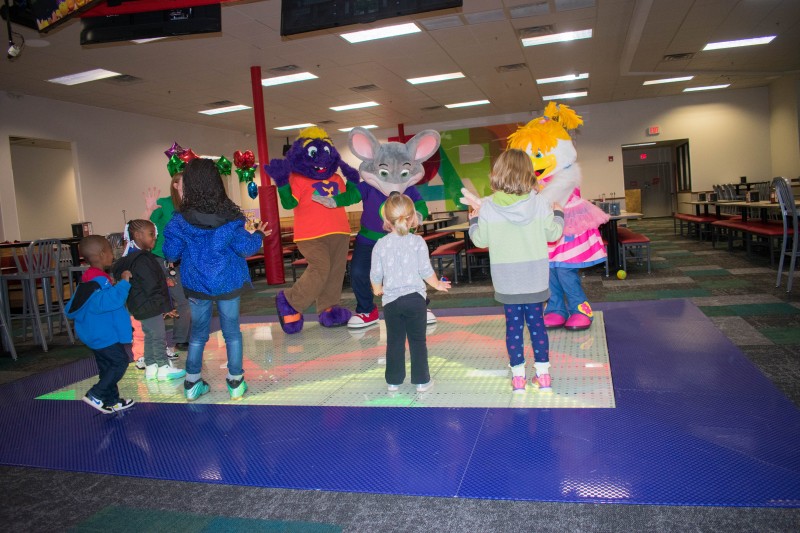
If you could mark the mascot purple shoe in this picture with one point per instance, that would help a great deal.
(322, 234)
(385, 168)
(550, 147)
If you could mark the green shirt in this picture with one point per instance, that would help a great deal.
(160, 217)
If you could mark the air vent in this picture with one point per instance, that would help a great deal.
(678, 57)
(365, 88)
(432, 108)
(511, 68)
(221, 103)
(285, 68)
(535, 31)
(124, 79)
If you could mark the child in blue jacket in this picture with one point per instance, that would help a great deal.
(208, 236)
(102, 322)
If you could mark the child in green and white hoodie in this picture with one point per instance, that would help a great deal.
(516, 224)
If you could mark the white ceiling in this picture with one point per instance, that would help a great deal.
(180, 76)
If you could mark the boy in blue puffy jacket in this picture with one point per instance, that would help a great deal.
(102, 322)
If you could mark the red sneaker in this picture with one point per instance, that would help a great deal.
(362, 320)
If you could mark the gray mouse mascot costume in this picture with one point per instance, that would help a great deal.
(385, 168)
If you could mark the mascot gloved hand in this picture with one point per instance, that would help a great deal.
(385, 168)
(546, 141)
(322, 234)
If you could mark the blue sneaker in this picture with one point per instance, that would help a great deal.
(236, 388)
(97, 404)
(194, 390)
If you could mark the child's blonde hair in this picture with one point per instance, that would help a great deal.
(513, 173)
(399, 214)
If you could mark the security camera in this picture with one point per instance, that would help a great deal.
(14, 51)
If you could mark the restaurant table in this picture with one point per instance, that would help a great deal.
(609, 231)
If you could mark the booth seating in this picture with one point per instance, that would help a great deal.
(745, 231)
(475, 258)
(449, 254)
(696, 225)
(632, 245)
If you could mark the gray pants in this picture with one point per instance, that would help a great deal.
(155, 340)
(182, 324)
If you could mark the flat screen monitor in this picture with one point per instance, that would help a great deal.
(46, 15)
(300, 16)
(151, 24)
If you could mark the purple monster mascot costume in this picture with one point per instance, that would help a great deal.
(322, 234)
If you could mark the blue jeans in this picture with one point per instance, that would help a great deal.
(229, 323)
(566, 292)
(360, 266)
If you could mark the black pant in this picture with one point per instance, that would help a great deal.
(112, 362)
(406, 318)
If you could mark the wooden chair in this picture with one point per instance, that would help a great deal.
(783, 190)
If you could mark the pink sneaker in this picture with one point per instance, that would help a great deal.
(553, 320)
(542, 382)
(577, 322)
(362, 320)
(518, 384)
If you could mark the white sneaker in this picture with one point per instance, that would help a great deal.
(422, 387)
(171, 353)
(167, 372)
(151, 371)
(140, 364)
(393, 388)
(431, 318)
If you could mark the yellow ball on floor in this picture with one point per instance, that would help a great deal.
(621, 274)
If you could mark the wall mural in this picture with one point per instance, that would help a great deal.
(465, 159)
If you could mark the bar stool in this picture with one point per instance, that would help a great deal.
(40, 266)
(7, 339)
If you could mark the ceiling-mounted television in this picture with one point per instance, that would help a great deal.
(300, 16)
(151, 24)
(46, 15)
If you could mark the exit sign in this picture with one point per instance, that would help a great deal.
(642, 156)
(653, 130)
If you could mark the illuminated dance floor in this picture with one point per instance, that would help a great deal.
(686, 420)
(344, 367)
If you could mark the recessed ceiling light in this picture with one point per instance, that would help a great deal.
(564, 96)
(228, 109)
(467, 104)
(83, 77)
(370, 127)
(706, 88)
(289, 78)
(568, 77)
(354, 106)
(741, 42)
(557, 37)
(295, 127)
(143, 41)
(667, 80)
(380, 33)
(438, 77)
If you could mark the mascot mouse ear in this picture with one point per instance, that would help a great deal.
(363, 144)
(424, 144)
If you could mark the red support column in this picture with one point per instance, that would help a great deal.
(267, 193)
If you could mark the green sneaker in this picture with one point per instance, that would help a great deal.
(236, 388)
(194, 390)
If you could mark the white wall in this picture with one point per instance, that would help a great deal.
(118, 155)
(44, 181)
(784, 117)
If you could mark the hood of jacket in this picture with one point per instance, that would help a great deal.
(207, 220)
(514, 208)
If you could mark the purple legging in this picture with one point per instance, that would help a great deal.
(517, 315)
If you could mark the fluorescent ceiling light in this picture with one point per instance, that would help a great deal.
(557, 37)
(576, 94)
(354, 106)
(667, 80)
(741, 42)
(228, 109)
(143, 41)
(289, 78)
(637, 144)
(370, 127)
(438, 77)
(568, 77)
(380, 33)
(295, 127)
(706, 88)
(467, 104)
(83, 77)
